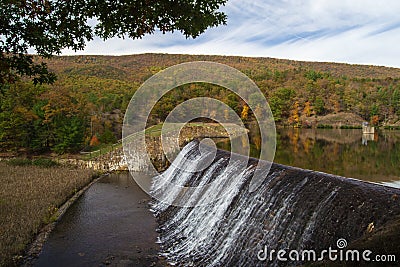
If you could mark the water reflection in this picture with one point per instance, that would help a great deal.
(369, 137)
(346, 152)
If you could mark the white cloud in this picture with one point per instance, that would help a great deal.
(353, 31)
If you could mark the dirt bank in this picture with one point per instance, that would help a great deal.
(336, 120)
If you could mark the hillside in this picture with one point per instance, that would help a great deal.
(92, 93)
(148, 63)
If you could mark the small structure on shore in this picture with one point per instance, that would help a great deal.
(367, 129)
(368, 133)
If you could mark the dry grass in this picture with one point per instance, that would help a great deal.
(29, 196)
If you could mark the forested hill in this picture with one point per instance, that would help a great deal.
(87, 102)
(137, 67)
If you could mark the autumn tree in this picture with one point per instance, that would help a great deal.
(39, 119)
(336, 106)
(226, 114)
(94, 141)
(307, 109)
(48, 26)
(375, 120)
(294, 114)
(245, 113)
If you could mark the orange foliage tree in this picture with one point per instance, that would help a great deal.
(94, 141)
(294, 114)
(375, 120)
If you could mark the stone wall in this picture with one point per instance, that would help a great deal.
(115, 160)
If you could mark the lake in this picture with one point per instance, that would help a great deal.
(344, 152)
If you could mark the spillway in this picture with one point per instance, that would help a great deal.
(225, 224)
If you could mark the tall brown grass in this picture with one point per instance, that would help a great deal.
(29, 196)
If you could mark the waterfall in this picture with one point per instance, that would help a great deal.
(292, 209)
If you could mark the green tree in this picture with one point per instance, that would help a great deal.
(374, 110)
(48, 26)
(396, 101)
(17, 116)
(69, 134)
(232, 100)
(275, 104)
(40, 132)
(313, 75)
(107, 137)
(281, 102)
(319, 106)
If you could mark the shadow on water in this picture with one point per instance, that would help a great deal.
(109, 224)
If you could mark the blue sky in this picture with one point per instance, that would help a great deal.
(353, 31)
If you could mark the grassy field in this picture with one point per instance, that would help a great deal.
(29, 196)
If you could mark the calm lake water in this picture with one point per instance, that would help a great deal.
(345, 152)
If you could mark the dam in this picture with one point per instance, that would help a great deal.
(291, 209)
(210, 216)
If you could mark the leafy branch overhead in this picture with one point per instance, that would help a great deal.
(49, 26)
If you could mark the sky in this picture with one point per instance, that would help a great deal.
(348, 31)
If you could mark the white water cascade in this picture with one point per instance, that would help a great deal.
(292, 209)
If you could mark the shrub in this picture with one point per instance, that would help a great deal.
(19, 162)
(324, 126)
(350, 127)
(391, 127)
(41, 162)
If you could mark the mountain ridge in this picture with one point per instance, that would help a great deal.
(335, 68)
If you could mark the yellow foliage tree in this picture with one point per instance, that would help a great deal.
(226, 114)
(336, 106)
(307, 109)
(294, 114)
(245, 112)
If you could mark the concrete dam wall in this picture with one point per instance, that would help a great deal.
(292, 209)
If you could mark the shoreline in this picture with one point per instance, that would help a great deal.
(36, 246)
(30, 199)
(110, 224)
